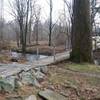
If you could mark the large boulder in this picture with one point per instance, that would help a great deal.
(27, 78)
(7, 84)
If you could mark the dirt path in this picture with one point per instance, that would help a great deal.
(83, 73)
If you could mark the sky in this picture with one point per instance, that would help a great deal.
(58, 5)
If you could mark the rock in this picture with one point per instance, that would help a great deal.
(7, 85)
(39, 76)
(51, 87)
(11, 80)
(37, 68)
(14, 59)
(50, 95)
(27, 78)
(36, 83)
(31, 78)
(19, 84)
(32, 72)
(32, 97)
(44, 69)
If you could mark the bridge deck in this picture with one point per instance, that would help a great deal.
(7, 70)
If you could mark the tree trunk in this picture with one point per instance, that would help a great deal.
(81, 32)
(37, 33)
(50, 26)
(26, 28)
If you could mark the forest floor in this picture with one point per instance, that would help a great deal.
(74, 81)
(66, 79)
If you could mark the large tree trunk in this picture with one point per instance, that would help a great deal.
(81, 32)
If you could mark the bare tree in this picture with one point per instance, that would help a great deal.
(37, 20)
(50, 26)
(16, 30)
(21, 12)
(68, 5)
(94, 10)
(1, 19)
(30, 22)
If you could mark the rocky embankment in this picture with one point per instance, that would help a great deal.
(32, 77)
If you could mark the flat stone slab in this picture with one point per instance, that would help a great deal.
(50, 95)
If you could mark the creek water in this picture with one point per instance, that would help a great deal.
(28, 57)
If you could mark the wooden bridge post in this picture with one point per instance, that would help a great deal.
(54, 53)
(37, 53)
